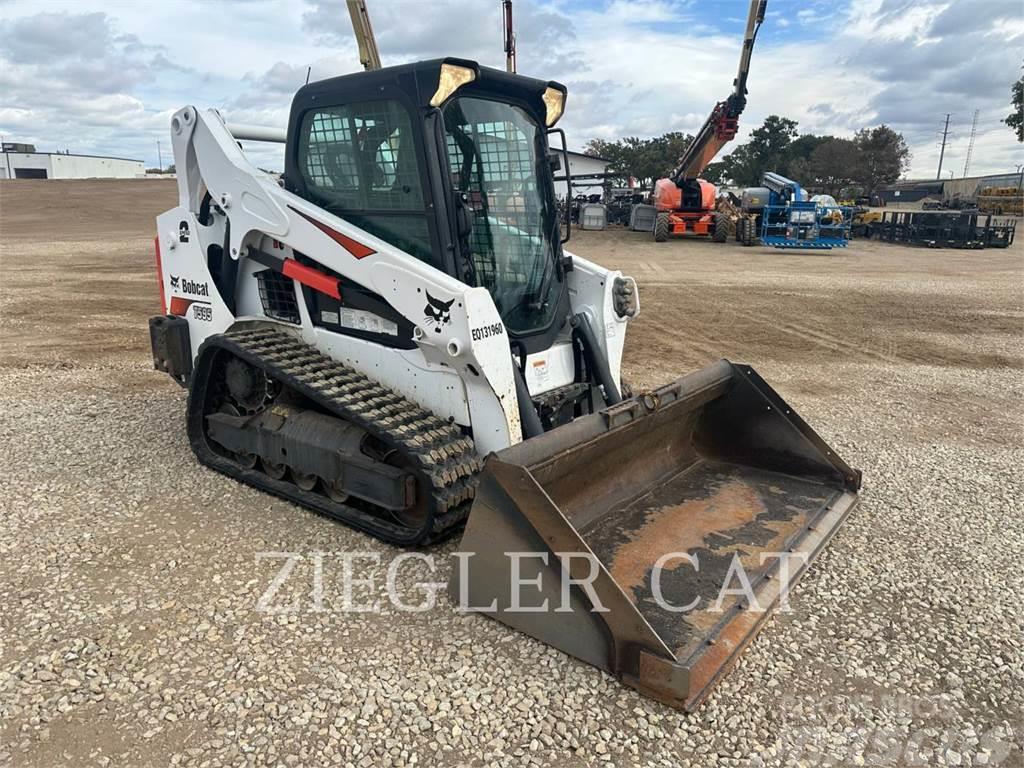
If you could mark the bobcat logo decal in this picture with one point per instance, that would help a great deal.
(438, 313)
(174, 282)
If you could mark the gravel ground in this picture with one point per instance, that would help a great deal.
(130, 578)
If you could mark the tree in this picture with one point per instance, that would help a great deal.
(1016, 119)
(767, 150)
(821, 163)
(719, 172)
(799, 153)
(831, 165)
(883, 156)
(643, 159)
(669, 148)
(609, 150)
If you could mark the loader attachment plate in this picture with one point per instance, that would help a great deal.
(655, 538)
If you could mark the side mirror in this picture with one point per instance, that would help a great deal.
(563, 155)
(555, 161)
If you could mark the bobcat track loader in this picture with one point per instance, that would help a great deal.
(393, 335)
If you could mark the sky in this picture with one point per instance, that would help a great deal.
(103, 77)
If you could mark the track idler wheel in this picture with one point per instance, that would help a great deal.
(274, 471)
(334, 492)
(304, 481)
(248, 386)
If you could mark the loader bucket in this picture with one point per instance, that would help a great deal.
(568, 527)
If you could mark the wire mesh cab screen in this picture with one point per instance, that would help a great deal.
(359, 162)
(493, 159)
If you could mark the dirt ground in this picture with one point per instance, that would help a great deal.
(700, 301)
(120, 556)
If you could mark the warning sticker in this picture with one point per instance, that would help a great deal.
(540, 369)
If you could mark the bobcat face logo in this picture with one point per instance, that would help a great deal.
(174, 282)
(437, 313)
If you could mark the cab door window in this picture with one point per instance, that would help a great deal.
(359, 162)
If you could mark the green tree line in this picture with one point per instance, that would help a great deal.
(874, 156)
(1016, 118)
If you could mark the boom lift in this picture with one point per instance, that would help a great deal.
(685, 202)
(397, 338)
(369, 56)
(787, 218)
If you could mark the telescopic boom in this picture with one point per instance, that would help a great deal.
(369, 56)
(721, 126)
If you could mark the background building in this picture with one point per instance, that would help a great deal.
(967, 189)
(21, 161)
(583, 169)
(910, 190)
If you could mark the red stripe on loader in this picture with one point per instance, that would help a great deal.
(180, 305)
(314, 278)
(354, 247)
(160, 276)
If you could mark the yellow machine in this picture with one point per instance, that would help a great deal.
(862, 221)
(1001, 201)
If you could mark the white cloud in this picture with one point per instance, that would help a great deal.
(103, 78)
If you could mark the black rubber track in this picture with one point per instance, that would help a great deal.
(443, 460)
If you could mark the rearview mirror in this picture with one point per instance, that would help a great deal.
(559, 159)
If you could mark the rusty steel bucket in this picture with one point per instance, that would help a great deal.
(567, 528)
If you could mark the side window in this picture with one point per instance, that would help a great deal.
(359, 162)
(329, 158)
(362, 156)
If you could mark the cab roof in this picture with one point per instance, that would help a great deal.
(418, 82)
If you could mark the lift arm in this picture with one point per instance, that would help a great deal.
(786, 189)
(369, 56)
(722, 124)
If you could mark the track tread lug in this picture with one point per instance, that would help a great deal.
(446, 458)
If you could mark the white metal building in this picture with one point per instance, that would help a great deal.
(583, 165)
(21, 161)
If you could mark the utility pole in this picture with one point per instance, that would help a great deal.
(970, 144)
(942, 152)
(160, 156)
(7, 158)
(510, 37)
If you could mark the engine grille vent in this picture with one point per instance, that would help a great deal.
(277, 293)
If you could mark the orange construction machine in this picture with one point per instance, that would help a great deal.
(686, 203)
